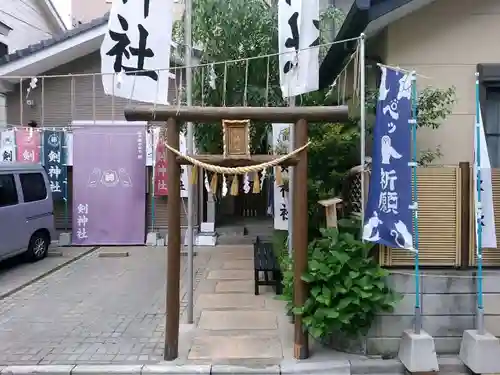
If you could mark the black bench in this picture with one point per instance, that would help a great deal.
(265, 261)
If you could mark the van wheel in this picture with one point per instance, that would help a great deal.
(38, 247)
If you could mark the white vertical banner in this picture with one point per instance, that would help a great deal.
(298, 38)
(489, 238)
(184, 169)
(280, 193)
(135, 52)
(7, 146)
(151, 142)
(68, 148)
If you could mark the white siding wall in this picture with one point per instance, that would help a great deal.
(28, 22)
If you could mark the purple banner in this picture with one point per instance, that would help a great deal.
(109, 185)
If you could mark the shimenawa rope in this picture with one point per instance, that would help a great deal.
(237, 170)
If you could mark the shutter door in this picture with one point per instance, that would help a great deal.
(439, 200)
(61, 222)
(160, 209)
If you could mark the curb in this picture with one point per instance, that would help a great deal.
(450, 365)
(47, 273)
(287, 367)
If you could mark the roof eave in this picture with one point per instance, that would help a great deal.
(354, 24)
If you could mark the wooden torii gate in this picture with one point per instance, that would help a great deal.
(174, 116)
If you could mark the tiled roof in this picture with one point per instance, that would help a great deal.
(34, 48)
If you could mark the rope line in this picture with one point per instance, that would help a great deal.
(236, 170)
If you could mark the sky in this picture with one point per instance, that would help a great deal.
(64, 9)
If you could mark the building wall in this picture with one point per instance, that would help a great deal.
(29, 23)
(83, 11)
(60, 100)
(448, 306)
(444, 41)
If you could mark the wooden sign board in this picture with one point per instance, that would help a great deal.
(236, 138)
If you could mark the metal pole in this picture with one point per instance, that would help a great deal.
(190, 143)
(479, 213)
(362, 121)
(173, 247)
(291, 141)
(414, 103)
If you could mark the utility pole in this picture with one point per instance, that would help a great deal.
(188, 13)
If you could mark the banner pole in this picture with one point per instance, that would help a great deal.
(152, 193)
(414, 165)
(190, 148)
(291, 145)
(362, 120)
(65, 182)
(479, 228)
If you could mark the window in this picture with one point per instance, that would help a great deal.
(8, 192)
(33, 186)
(491, 112)
(4, 49)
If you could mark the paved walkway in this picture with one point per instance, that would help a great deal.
(110, 310)
(231, 323)
(16, 273)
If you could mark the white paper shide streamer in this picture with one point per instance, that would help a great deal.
(138, 39)
(298, 31)
(486, 210)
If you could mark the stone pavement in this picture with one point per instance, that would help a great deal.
(16, 273)
(106, 315)
(95, 310)
(231, 323)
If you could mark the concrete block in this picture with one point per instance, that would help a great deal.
(161, 242)
(331, 367)
(235, 348)
(492, 303)
(237, 320)
(402, 283)
(417, 352)
(235, 286)
(207, 227)
(435, 325)
(230, 275)
(458, 282)
(491, 281)
(390, 345)
(206, 239)
(152, 239)
(492, 324)
(438, 304)
(230, 369)
(218, 301)
(170, 368)
(107, 369)
(38, 369)
(480, 353)
(65, 239)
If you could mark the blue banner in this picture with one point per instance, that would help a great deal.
(388, 216)
(54, 162)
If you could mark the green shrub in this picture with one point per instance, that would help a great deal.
(347, 288)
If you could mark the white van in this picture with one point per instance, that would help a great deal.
(26, 211)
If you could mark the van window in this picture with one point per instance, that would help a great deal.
(8, 192)
(33, 186)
